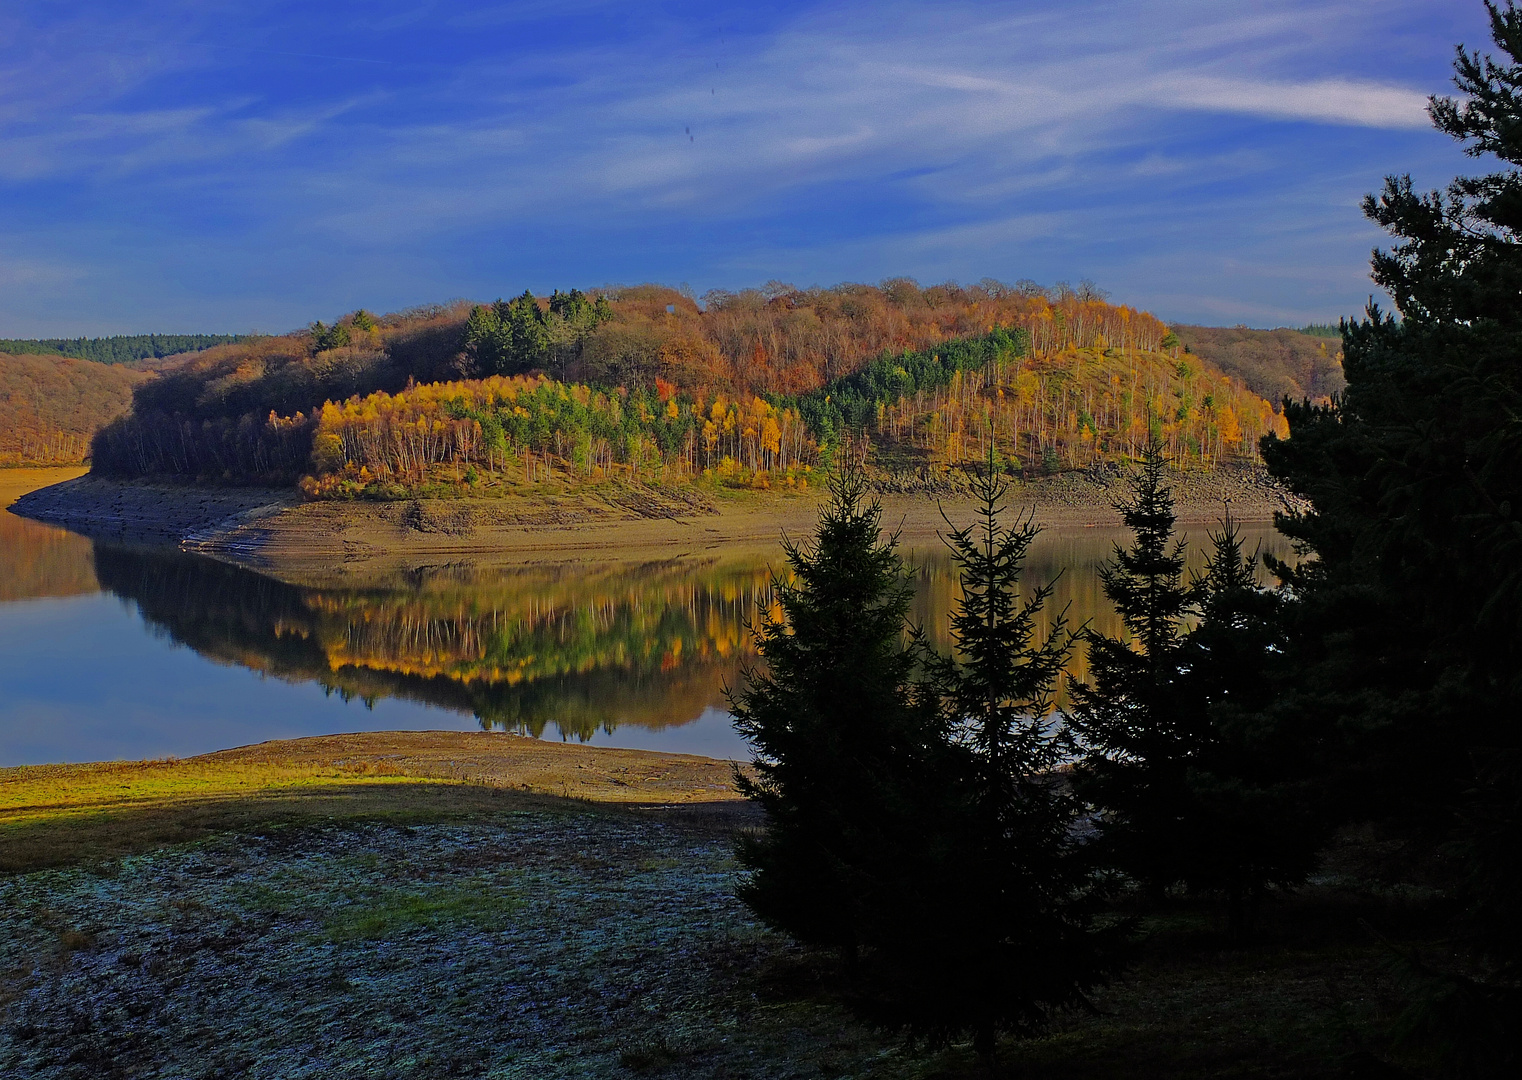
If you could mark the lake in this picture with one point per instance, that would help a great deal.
(110, 652)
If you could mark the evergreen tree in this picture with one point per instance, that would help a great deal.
(484, 344)
(1024, 943)
(1407, 630)
(917, 817)
(508, 337)
(527, 337)
(329, 337)
(572, 316)
(1251, 816)
(1202, 779)
(848, 755)
(1131, 718)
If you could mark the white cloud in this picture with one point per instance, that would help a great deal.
(1332, 101)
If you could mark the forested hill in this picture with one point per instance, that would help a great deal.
(647, 381)
(121, 349)
(51, 406)
(1274, 364)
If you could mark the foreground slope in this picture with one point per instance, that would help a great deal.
(414, 904)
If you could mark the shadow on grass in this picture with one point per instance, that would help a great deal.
(70, 836)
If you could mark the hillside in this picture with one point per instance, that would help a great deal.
(51, 406)
(746, 386)
(1274, 364)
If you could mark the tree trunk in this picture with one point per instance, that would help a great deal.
(983, 1042)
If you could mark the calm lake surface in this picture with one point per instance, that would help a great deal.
(114, 652)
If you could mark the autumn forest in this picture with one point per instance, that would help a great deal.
(754, 388)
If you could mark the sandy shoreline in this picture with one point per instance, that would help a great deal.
(273, 531)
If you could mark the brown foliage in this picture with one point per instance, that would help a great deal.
(1274, 364)
(50, 406)
(783, 340)
(246, 411)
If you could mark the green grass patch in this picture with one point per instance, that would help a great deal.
(68, 815)
(394, 913)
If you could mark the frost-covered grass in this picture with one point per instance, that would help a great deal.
(535, 943)
(339, 922)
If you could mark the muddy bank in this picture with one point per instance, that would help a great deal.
(148, 513)
(274, 531)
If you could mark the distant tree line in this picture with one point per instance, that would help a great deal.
(1274, 364)
(970, 398)
(491, 430)
(119, 349)
(51, 406)
(951, 406)
(518, 336)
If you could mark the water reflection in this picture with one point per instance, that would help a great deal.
(39, 561)
(574, 651)
(569, 651)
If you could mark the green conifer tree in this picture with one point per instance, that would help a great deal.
(1024, 943)
(1252, 814)
(847, 752)
(1130, 716)
(526, 336)
(1407, 627)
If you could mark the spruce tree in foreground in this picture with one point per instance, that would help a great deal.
(1023, 942)
(1252, 813)
(1130, 716)
(1202, 778)
(917, 818)
(1407, 630)
(849, 756)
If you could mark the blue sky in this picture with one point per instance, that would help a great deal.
(224, 166)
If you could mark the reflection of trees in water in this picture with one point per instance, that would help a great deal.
(579, 650)
(1069, 561)
(39, 560)
(526, 626)
(576, 650)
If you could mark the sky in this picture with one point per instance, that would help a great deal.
(217, 166)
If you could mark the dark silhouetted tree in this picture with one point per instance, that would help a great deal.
(1023, 943)
(847, 752)
(1129, 716)
(1252, 813)
(1408, 629)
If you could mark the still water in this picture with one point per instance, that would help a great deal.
(117, 652)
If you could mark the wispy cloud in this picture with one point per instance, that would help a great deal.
(904, 137)
(1330, 101)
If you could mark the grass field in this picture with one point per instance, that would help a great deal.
(439, 904)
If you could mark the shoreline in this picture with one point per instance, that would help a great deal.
(61, 814)
(274, 531)
(598, 774)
